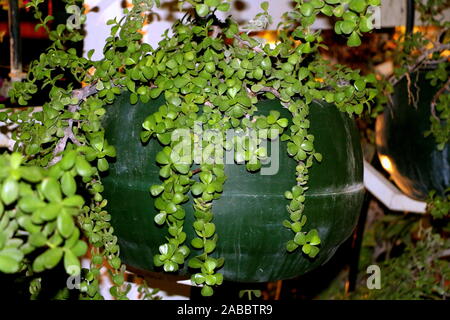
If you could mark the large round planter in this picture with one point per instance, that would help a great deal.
(413, 160)
(250, 213)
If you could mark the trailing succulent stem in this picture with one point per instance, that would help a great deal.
(212, 76)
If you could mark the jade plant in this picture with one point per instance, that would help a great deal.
(425, 50)
(211, 74)
(421, 50)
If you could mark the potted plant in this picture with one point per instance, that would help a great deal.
(144, 141)
(412, 134)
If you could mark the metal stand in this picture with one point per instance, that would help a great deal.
(14, 41)
(410, 13)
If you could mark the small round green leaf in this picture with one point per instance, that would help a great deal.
(8, 264)
(160, 218)
(155, 190)
(71, 263)
(202, 10)
(10, 191)
(197, 243)
(207, 291)
(65, 224)
(83, 167)
(68, 184)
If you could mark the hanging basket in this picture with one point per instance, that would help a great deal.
(250, 213)
(413, 160)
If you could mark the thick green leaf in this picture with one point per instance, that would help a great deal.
(358, 5)
(291, 246)
(210, 229)
(30, 203)
(31, 174)
(265, 5)
(209, 246)
(50, 211)
(155, 190)
(207, 291)
(51, 189)
(74, 201)
(195, 263)
(79, 248)
(37, 239)
(102, 165)
(170, 207)
(182, 168)
(224, 7)
(8, 264)
(300, 238)
(198, 189)
(202, 10)
(306, 9)
(178, 198)
(65, 224)
(162, 158)
(10, 191)
(347, 27)
(170, 266)
(160, 218)
(313, 251)
(354, 40)
(306, 248)
(197, 243)
(68, 184)
(83, 167)
(210, 265)
(71, 263)
(51, 257)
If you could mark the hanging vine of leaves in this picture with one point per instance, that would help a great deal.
(212, 75)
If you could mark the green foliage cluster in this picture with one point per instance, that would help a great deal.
(439, 206)
(43, 203)
(421, 272)
(66, 140)
(148, 293)
(215, 83)
(431, 11)
(412, 253)
(417, 52)
(250, 294)
(211, 75)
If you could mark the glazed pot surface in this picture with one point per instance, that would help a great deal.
(250, 213)
(413, 160)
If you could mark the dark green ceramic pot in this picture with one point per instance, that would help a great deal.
(250, 213)
(413, 160)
